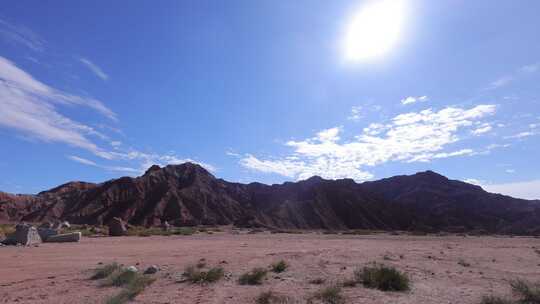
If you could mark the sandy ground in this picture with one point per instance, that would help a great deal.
(58, 273)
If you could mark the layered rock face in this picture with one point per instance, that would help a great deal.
(187, 194)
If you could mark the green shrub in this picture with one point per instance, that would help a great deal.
(105, 271)
(254, 277)
(383, 278)
(135, 286)
(120, 278)
(464, 263)
(280, 266)
(317, 281)
(196, 275)
(328, 295)
(269, 297)
(527, 292)
(494, 300)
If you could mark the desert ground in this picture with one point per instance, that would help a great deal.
(438, 266)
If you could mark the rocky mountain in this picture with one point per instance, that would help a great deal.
(187, 194)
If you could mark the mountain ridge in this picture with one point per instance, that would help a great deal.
(187, 194)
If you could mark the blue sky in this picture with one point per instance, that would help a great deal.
(265, 91)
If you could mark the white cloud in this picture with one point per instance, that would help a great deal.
(356, 113)
(82, 160)
(413, 99)
(21, 35)
(521, 135)
(501, 82)
(409, 137)
(483, 128)
(510, 171)
(531, 68)
(88, 162)
(28, 106)
(94, 68)
(525, 189)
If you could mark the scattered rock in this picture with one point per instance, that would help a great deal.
(117, 227)
(63, 238)
(166, 226)
(151, 270)
(26, 235)
(132, 269)
(45, 233)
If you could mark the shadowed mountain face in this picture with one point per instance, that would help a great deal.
(187, 194)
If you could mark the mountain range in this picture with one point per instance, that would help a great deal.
(187, 194)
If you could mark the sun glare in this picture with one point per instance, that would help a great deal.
(374, 30)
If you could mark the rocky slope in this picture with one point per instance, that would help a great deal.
(187, 194)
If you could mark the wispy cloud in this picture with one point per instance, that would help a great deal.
(21, 35)
(88, 162)
(482, 128)
(356, 113)
(28, 105)
(94, 68)
(413, 99)
(507, 79)
(410, 137)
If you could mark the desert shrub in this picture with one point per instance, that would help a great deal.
(184, 231)
(383, 278)
(351, 282)
(280, 266)
(269, 297)
(6, 229)
(527, 292)
(134, 287)
(358, 232)
(330, 232)
(328, 295)
(494, 300)
(254, 277)
(120, 278)
(105, 271)
(317, 281)
(196, 275)
(464, 263)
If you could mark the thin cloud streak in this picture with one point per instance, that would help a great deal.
(21, 35)
(94, 68)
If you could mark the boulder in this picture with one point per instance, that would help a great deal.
(151, 270)
(63, 238)
(65, 224)
(26, 235)
(117, 227)
(45, 233)
(132, 269)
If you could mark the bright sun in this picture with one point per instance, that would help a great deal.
(374, 30)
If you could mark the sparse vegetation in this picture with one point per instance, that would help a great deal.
(120, 277)
(270, 297)
(254, 277)
(382, 277)
(105, 271)
(349, 283)
(197, 275)
(528, 293)
(6, 229)
(494, 300)
(136, 285)
(280, 266)
(328, 295)
(114, 275)
(524, 293)
(464, 263)
(149, 231)
(317, 281)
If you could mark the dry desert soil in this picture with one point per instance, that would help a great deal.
(59, 273)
